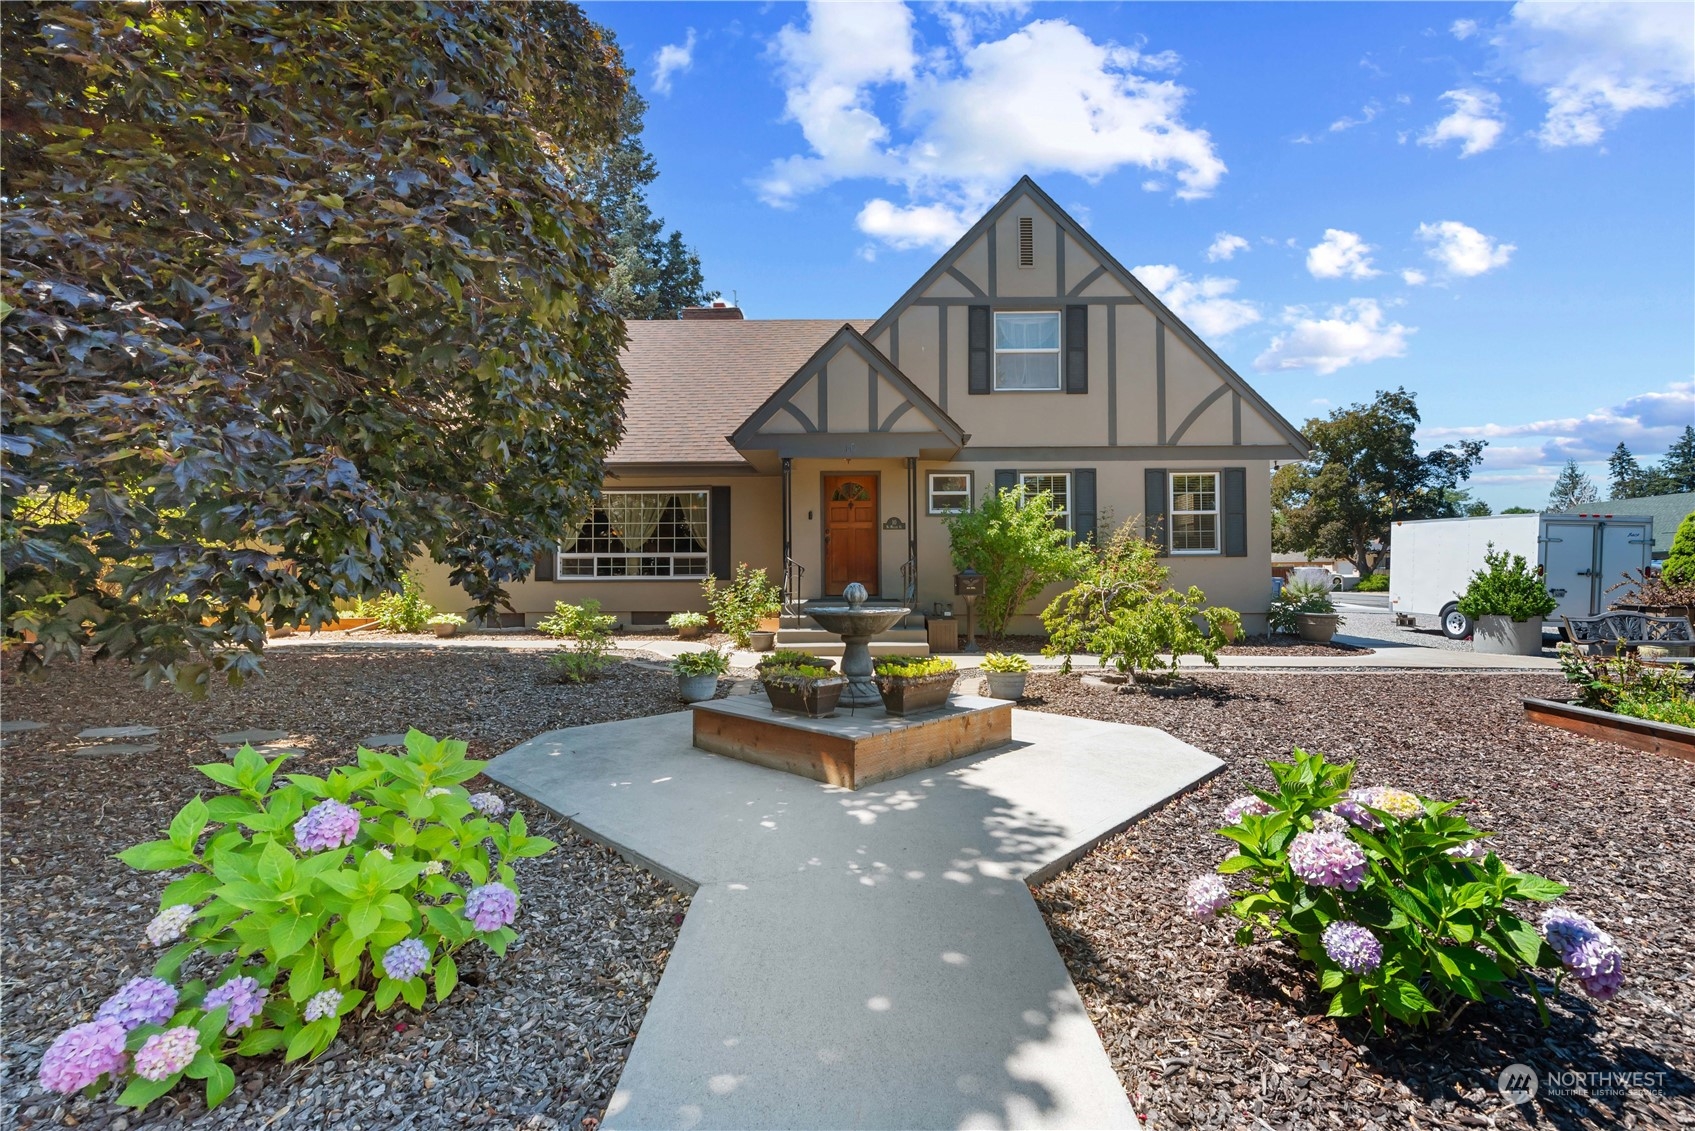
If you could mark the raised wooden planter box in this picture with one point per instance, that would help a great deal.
(908, 695)
(1638, 734)
(816, 699)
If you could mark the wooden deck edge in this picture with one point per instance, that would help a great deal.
(1638, 734)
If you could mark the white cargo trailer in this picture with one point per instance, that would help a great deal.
(1584, 555)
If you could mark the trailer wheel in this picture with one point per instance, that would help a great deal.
(1455, 624)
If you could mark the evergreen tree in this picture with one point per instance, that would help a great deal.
(1678, 468)
(1623, 473)
(1572, 489)
(653, 275)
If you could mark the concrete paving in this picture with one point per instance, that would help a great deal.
(118, 732)
(867, 958)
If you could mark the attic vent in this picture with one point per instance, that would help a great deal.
(1026, 241)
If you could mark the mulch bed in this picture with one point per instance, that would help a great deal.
(1206, 1034)
(1282, 644)
(535, 1040)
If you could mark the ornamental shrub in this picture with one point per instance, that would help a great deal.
(581, 660)
(1373, 583)
(1507, 586)
(1604, 682)
(406, 611)
(739, 606)
(1679, 566)
(1395, 900)
(1005, 662)
(299, 903)
(454, 619)
(912, 667)
(1017, 543)
(707, 661)
(686, 620)
(579, 621)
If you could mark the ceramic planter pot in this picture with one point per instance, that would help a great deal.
(445, 630)
(1504, 636)
(763, 641)
(909, 695)
(690, 632)
(1317, 628)
(1006, 685)
(697, 688)
(816, 698)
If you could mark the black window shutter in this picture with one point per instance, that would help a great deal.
(978, 377)
(1235, 512)
(1083, 505)
(1006, 479)
(1077, 349)
(1154, 508)
(718, 534)
(545, 561)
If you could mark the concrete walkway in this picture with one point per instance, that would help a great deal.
(861, 959)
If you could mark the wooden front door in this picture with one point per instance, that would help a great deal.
(850, 532)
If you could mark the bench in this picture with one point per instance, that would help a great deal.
(1629, 631)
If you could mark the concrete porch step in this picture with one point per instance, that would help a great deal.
(878, 647)
(914, 622)
(804, 636)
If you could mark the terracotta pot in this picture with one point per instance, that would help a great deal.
(1317, 628)
(816, 698)
(910, 695)
(1006, 685)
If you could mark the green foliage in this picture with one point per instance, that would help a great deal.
(739, 606)
(1364, 472)
(292, 293)
(797, 674)
(1606, 683)
(1448, 935)
(301, 922)
(581, 660)
(1572, 489)
(913, 667)
(580, 621)
(405, 611)
(1012, 539)
(1507, 586)
(686, 620)
(1374, 583)
(1005, 662)
(1679, 566)
(1678, 712)
(788, 657)
(1676, 473)
(1519, 510)
(448, 618)
(707, 661)
(1296, 598)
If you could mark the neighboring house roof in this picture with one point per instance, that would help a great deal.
(693, 382)
(1667, 511)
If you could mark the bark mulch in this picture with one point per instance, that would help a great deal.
(1206, 1034)
(535, 1040)
(1281, 644)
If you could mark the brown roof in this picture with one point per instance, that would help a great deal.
(693, 382)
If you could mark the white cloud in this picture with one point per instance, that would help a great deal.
(1367, 112)
(1413, 277)
(1225, 246)
(1646, 422)
(955, 125)
(1463, 29)
(671, 59)
(918, 225)
(1340, 255)
(1596, 62)
(1204, 303)
(1474, 121)
(1463, 250)
(1352, 334)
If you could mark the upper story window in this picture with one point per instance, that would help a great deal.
(950, 492)
(1027, 351)
(640, 534)
(1194, 512)
(1055, 483)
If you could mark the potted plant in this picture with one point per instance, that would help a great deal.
(805, 689)
(446, 624)
(792, 657)
(1305, 608)
(1506, 601)
(688, 626)
(743, 604)
(910, 684)
(1006, 673)
(698, 672)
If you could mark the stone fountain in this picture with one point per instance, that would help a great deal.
(856, 625)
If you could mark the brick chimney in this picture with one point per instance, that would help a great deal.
(718, 311)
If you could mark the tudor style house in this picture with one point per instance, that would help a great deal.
(830, 452)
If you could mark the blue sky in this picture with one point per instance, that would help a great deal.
(1491, 205)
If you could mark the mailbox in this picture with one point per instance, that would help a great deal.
(968, 583)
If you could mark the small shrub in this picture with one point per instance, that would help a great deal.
(1679, 566)
(1394, 899)
(579, 621)
(1005, 662)
(912, 667)
(299, 903)
(1605, 682)
(739, 606)
(798, 674)
(1507, 586)
(1373, 583)
(406, 611)
(583, 659)
(707, 661)
(1296, 598)
(1678, 712)
(1656, 590)
(680, 621)
(789, 657)
(447, 618)
(1012, 539)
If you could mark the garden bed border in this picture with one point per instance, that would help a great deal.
(1638, 734)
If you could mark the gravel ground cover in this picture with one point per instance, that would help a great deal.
(535, 1040)
(1206, 1034)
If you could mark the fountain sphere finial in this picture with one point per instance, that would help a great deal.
(854, 594)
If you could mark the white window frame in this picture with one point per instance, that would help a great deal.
(1058, 351)
(930, 491)
(560, 556)
(1025, 476)
(1217, 512)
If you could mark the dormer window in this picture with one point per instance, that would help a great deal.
(1027, 351)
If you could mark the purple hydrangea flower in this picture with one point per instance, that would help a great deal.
(167, 926)
(1398, 803)
(142, 1001)
(1470, 850)
(406, 959)
(1327, 859)
(328, 824)
(1567, 930)
(322, 1004)
(244, 997)
(165, 1054)
(1249, 806)
(1352, 947)
(81, 1055)
(488, 804)
(491, 906)
(1206, 896)
(1355, 814)
(1325, 821)
(1586, 950)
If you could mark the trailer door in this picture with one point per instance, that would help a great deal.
(1625, 548)
(1573, 576)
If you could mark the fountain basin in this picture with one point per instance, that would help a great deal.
(856, 624)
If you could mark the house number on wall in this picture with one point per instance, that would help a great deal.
(894, 524)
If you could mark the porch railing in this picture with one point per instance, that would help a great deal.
(909, 580)
(793, 571)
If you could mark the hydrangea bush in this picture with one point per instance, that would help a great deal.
(1397, 900)
(303, 902)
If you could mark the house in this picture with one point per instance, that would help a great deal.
(831, 451)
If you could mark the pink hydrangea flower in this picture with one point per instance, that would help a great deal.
(167, 926)
(491, 906)
(1352, 947)
(1327, 859)
(1206, 896)
(165, 1054)
(81, 1055)
(1248, 806)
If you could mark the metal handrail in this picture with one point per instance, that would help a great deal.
(909, 580)
(793, 571)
